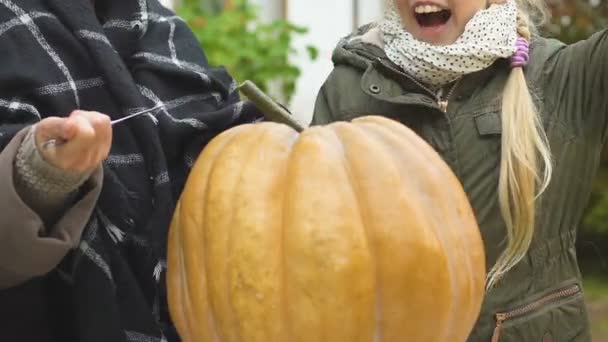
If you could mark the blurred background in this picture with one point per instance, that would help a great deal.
(285, 47)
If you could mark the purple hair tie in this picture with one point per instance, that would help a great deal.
(521, 56)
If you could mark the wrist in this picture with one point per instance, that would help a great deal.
(36, 173)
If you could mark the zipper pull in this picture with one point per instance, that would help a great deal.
(443, 105)
(500, 318)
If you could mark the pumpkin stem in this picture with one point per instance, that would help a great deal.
(271, 110)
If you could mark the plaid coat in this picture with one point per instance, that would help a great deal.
(126, 55)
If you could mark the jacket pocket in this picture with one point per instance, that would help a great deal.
(489, 134)
(558, 315)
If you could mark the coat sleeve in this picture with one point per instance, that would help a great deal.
(322, 112)
(579, 80)
(333, 101)
(28, 247)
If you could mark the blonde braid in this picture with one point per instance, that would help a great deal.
(523, 142)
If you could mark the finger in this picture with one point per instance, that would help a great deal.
(102, 125)
(104, 146)
(85, 132)
(93, 143)
(104, 135)
(77, 152)
(69, 128)
(49, 128)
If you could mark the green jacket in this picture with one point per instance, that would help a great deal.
(542, 296)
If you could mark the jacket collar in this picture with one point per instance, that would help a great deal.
(363, 49)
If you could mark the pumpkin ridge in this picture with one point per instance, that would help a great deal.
(241, 178)
(316, 134)
(176, 281)
(338, 131)
(250, 287)
(448, 174)
(383, 132)
(211, 154)
(220, 304)
(187, 309)
(225, 143)
(187, 290)
(256, 291)
(344, 162)
(379, 132)
(310, 241)
(287, 330)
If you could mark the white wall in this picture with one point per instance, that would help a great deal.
(167, 3)
(325, 26)
(270, 9)
(327, 21)
(369, 10)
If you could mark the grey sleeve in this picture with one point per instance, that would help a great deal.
(338, 96)
(44, 188)
(322, 114)
(30, 244)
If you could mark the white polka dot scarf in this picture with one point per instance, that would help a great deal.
(491, 34)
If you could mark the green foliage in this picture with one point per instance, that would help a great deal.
(596, 287)
(573, 20)
(251, 50)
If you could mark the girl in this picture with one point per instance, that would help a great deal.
(82, 243)
(520, 119)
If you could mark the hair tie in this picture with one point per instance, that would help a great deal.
(521, 56)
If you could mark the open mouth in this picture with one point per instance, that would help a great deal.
(431, 15)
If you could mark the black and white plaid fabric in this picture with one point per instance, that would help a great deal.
(61, 55)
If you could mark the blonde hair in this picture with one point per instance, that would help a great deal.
(524, 144)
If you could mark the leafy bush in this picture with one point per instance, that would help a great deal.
(251, 50)
(573, 20)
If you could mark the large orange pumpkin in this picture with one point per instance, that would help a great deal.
(347, 232)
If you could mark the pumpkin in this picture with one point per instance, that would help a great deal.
(353, 231)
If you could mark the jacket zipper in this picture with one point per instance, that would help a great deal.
(441, 102)
(553, 297)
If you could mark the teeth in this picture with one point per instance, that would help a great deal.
(422, 9)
